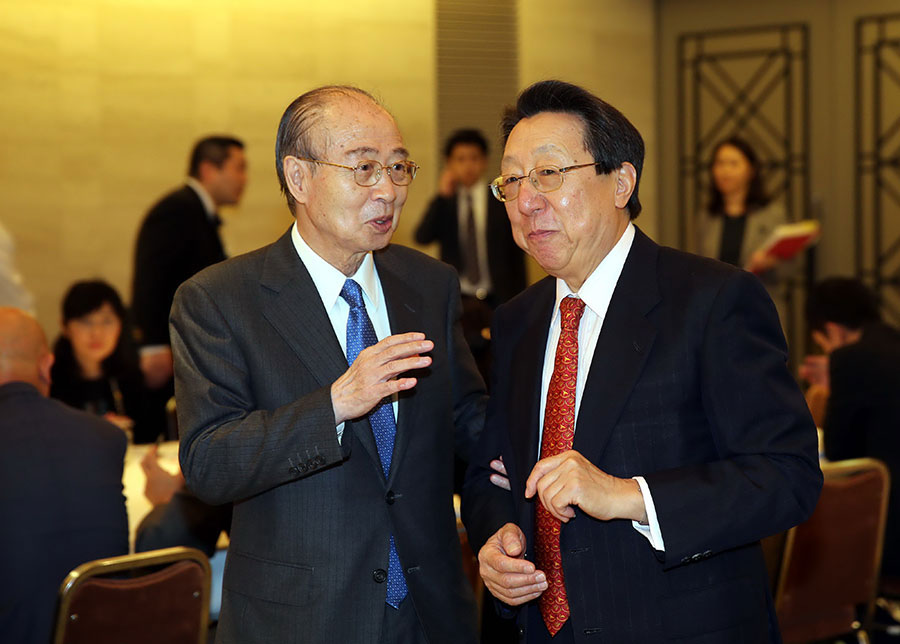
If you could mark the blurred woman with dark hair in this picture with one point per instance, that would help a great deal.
(96, 366)
(739, 216)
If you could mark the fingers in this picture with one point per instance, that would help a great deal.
(507, 575)
(374, 374)
(541, 468)
(500, 479)
(557, 482)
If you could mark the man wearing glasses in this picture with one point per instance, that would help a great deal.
(341, 477)
(650, 429)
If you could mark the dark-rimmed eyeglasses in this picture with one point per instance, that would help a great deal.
(544, 178)
(368, 173)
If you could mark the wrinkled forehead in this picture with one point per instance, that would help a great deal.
(354, 127)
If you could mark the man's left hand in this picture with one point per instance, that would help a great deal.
(569, 479)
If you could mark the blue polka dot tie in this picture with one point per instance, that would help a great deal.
(361, 334)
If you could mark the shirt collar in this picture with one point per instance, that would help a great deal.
(329, 281)
(208, 204)
(597, 290)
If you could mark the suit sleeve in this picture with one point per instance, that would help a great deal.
(230, 449)
(161, 251)
(429, 229)
(486, 507)
(470, 399)
(767, 476)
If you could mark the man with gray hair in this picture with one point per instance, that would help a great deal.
(61, 482)
(323, 385)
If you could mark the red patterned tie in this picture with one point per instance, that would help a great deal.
(559, 431)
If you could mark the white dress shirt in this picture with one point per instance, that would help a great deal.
(329, 281)
(479, 193)
(596, 292)
(208, 204)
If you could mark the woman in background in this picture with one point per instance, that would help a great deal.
(740, 216)
(96, 364)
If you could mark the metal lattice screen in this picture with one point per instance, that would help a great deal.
(877, 215)
(752, 83)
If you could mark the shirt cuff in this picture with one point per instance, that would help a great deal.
(651, 530)
(340, 433)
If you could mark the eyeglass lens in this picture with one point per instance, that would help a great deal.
(368, 173)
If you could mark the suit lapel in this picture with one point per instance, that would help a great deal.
(622, 349)
(295, 310)
(404, 307)
(524, 418)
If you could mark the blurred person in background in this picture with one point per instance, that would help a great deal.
(475, 238)
(96, 366)
(178, 237)
(854, 391)
(739, 215)
(60, 485)
(12, 289)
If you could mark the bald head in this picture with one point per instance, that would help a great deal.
(24, 355)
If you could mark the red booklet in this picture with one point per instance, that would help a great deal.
(789, 239)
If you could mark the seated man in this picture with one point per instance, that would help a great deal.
(61, 482)
(178, 517)
(856, 382)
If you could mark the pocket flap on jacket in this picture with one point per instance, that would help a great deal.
(283, 583)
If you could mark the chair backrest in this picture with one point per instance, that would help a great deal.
(829, 575)
(169, 604)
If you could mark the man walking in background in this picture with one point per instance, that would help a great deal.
(180, 236)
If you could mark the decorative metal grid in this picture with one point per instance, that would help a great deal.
(877, 215)
(752, 83)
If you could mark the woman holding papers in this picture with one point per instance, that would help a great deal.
(739, 218)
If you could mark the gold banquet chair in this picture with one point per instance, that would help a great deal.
(169, 604)
(829, 575)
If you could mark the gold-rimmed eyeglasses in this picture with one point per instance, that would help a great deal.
(368, 172)
(544, 178)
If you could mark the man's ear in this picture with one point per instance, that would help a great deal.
(207, 171)
(626, 180)
(296, 176)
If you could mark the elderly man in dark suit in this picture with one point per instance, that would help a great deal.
(178, 237)
(649, 426)
(343, 527)
(60, 485)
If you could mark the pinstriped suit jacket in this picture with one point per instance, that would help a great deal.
(255, 357)
(688, 387)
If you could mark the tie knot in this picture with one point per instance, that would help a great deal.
(352, 293)
(571, 309)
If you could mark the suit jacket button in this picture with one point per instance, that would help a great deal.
(389, 497)
(379, 575)
(320, 460)
(311, 464)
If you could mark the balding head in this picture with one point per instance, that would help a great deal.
(24, 355)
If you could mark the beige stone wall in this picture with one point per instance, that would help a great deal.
(609, 47)
(102, 100)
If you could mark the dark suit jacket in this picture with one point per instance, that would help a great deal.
(688, 387)
(255, 358)
(61, 502)
(506, 261)
(176, 240)
(862, 417)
